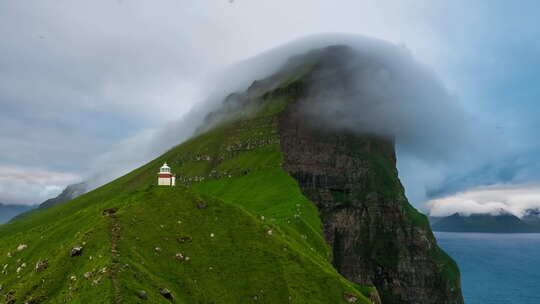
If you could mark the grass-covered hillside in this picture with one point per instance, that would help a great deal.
(236, 229)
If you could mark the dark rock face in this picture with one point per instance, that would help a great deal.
(377, 238)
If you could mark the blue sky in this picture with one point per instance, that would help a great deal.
(79, 82)
(494, 68)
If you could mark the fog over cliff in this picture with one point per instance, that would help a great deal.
(367, 86)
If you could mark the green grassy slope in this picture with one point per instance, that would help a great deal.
(257, 240)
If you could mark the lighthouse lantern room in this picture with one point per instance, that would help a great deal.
(165, 177)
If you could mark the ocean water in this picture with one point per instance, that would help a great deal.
(496, 268)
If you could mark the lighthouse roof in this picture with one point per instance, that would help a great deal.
(165, 169)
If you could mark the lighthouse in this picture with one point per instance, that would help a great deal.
(165, 177)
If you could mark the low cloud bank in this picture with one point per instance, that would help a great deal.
(496, 199)
(368, 86)
(374, 87)
(22, 186)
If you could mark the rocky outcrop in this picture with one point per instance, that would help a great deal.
(41, 265)
(376, 236)
(166, 293)
(76, 251)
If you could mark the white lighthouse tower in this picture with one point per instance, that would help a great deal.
(165, 177)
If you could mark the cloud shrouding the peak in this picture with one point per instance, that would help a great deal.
(81, 80)
(496, 199)
(363, 84)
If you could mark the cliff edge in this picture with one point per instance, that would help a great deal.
(377, 238)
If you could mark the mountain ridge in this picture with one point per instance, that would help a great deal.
(487, 223)
(70, 192)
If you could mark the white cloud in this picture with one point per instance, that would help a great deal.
(30, 186)
(514, 199)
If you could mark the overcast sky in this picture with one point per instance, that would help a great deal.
(79, 81)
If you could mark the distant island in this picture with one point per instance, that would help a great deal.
(488, 223)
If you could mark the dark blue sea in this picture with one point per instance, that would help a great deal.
(496, 268)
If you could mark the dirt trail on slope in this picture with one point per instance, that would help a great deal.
(115, 267)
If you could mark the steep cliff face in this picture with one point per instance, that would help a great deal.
(376, 236)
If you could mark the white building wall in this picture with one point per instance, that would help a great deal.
(164, 181)
(173, 182)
